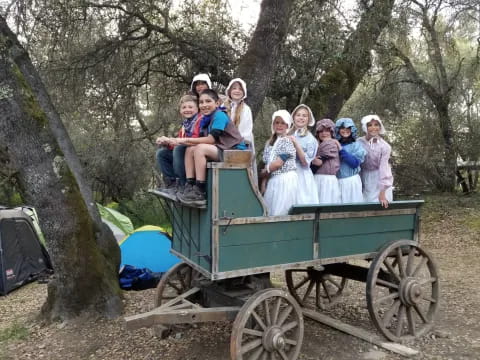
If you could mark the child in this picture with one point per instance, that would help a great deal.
(376, 173)
(170, 159)
(200, 82)
(279, 156)
(241, 114)
(328, 162)
(352, 155)
(306, 147)
(221, 135)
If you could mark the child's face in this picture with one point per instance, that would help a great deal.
(279, 126)
(324, 134)
(188, 109)
(300, 118)
(345, 132)
(373, 128)
(207, 104)
(200, 86)
(236, 92)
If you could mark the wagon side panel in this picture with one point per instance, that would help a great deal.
(264, 244)
(362, 235)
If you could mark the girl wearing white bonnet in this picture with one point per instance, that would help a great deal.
(279, 158)
(306, 146)
(376, 172)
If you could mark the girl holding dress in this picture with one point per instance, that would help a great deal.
(328, 162)
(352, 154)
(279, 158)
(376, 172)
(306, 146)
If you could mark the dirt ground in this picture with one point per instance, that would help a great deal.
(450, 231)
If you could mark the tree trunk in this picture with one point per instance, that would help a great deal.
(341, 80)
(257, 65)
(84, 253)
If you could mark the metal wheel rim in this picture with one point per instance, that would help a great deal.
(268, 326)
(179, 279)
(317, 284)
(412, 300)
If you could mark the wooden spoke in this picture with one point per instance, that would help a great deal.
(253, 332)
(256, 355)
(387, 318)
(394, 303)
(174, 282)
(410, 259)
(251, 345)
(391, 270)
(400, 318)
(267, 313)
(284, 315)
(316, 288)
(279, 337)
(401, 269)
(391, 296)
(411, 321)
(387, 284)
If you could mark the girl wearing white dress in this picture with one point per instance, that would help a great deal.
(306, 146)
(241, 115)
(328, 162)
(352, 155)
(279, 158)
(376, 173)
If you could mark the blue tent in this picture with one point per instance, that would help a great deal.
(148, 247)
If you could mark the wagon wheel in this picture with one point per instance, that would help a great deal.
(176, 281)
(403, 291)
(268, 326)
(314, 287)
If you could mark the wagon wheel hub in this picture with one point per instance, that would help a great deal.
(273, 339)
(410, 291)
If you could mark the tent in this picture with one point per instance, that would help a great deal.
(148, 247)
(22, 255)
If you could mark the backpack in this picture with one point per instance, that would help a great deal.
(132, 278)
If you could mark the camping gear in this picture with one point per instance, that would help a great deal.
(23, 258)
(120, 224)
(148, 247)
(132, 278)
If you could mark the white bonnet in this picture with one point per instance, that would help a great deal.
(201, 77)
(311, 120)
(366, 119)
(285, 115)
(242, 84)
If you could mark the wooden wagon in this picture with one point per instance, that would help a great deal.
(229, 247)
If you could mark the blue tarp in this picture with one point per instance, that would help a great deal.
(148, 247)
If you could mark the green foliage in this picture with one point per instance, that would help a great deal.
(144, 209)
(15, 331)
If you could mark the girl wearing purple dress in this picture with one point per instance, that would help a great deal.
(376, 172)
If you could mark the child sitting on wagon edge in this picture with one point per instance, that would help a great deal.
(221, 135)
(170, 158)
(279, 157)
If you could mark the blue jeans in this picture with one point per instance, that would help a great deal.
(172, 163)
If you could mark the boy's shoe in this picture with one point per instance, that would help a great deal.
(193, 196)
(169, 190)
(180, 189)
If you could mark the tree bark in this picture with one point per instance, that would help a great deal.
(340, 81)
(35, 143)
(258, 64)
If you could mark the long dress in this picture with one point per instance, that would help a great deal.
(326, 175)
(348, 177)
(281, 191)
(307, 189)
(376, 172)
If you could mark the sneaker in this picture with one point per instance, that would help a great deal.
(169, 189)
(193, 196)
(180, 189)
(186, 189)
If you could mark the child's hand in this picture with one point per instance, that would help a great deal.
(162, 140)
